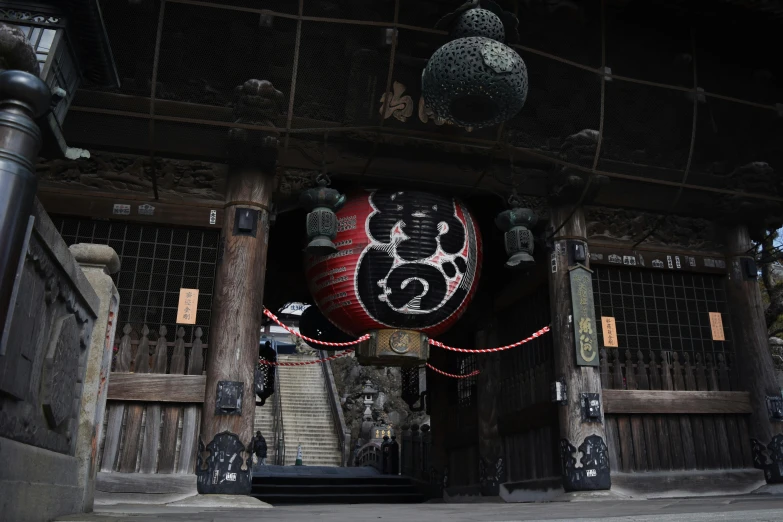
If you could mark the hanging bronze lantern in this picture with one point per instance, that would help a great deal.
(322, 203)
(476, 80)
(516, 223)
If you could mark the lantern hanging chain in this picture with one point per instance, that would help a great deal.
(323, 178)
(267, 362)
(309, 339)
(453, 376)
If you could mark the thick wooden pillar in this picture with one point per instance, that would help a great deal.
(437, 390)
(580, 438)
(753, 360)
(492, 469)
(237, 314)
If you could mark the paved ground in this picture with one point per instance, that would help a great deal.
(755, 508)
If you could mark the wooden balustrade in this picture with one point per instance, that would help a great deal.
(156, 388)
(416, 452)
(665, 411)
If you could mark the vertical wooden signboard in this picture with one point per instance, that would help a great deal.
(584, 316)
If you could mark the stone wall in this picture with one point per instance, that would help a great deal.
(389, 408)
(42, 376)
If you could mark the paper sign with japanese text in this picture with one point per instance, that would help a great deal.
(716, 322)
(188, 302)
(610, 332)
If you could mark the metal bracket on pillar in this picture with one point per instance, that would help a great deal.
(246, 222)
(775, 408)
(229, 397)
(577, 252)
(750, 270)
(591, 407)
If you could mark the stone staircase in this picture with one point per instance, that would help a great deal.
(307, 417)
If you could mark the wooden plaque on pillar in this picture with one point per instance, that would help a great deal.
(585, 338)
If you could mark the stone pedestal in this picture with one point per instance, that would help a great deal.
(97, 263)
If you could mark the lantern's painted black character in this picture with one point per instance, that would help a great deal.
(412, 274)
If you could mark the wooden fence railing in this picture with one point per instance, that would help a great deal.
(665, 411)
(369, 455)
(155, 395)
(416, 453)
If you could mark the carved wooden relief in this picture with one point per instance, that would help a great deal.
(629, 226)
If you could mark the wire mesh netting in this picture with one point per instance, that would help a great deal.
(342, 74)
(636, 47)
(664, 312)
(645, 125)
(730, 136)
(333, 64)
(155, 263)
(525, 371)
(132, 29)
(562, 101)
(566, 30)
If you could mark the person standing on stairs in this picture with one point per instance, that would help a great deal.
(259, 448)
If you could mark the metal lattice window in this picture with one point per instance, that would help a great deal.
(662, 311)
(466, 388)
(155, 263)
(526, 371)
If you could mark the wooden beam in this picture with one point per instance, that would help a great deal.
(676, 402)
(157, 388)
(146, 483)
(100, 205)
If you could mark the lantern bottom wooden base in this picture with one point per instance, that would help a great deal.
(393, 348)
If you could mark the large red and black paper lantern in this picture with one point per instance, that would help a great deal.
(406, 259)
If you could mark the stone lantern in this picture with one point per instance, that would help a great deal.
(370, 394)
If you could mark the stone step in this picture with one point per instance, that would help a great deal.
(324, 452)
(304, 400)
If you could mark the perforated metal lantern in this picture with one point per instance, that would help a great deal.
(475, 82)
(322, 202)
(479, 22)
(516, 223)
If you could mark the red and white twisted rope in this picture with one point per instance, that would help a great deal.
(305, 363)
(491, 350)
(471, 374)
(432, 342)
(310, 339)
